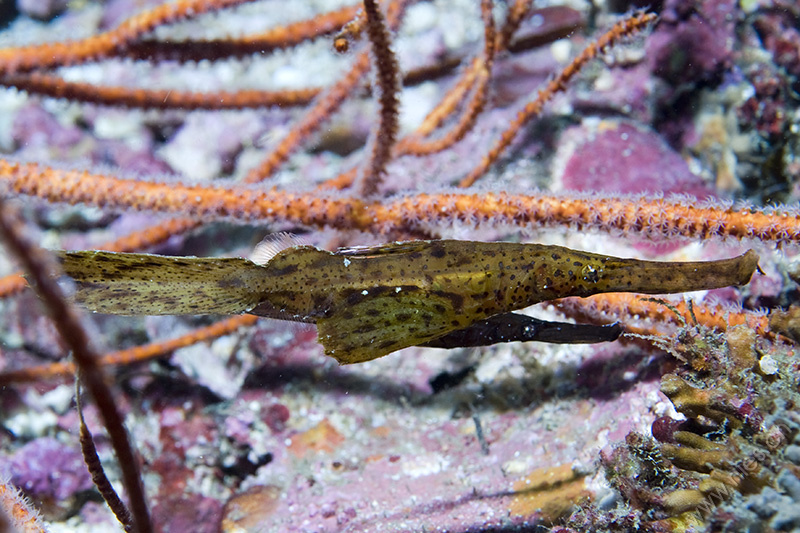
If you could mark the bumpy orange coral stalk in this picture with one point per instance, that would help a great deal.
(656, 218)
(277, 38)
(137, 354)
(620, 30)
(137, 97)
(26, 58)
(619, 305)
(20, 516)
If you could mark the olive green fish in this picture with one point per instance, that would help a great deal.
(368, 302)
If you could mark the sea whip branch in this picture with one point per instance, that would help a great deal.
(27, 58)
(642, 216)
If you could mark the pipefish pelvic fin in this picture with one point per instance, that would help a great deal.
(369, 302)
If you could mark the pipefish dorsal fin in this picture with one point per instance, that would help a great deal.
(371, 325)
(385, 249)
(147, 284)
(272, 245)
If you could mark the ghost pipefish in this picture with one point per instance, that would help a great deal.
(371, 301)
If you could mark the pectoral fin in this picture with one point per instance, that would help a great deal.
(370, 325)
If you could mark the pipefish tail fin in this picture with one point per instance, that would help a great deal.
(146, 284)
(368, 326)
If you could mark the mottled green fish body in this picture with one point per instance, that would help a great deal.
(369, 302)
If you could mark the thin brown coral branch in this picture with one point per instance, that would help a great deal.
(95, 467)
(620, 30)
(27, 58)
(387, 86)
(39, 266)
(139, 97)
(647, 217)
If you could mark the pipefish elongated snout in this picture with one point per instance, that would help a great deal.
(368, 302)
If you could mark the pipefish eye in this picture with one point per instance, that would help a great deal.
(590, 274)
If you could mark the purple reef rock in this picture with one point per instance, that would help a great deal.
(50, 472)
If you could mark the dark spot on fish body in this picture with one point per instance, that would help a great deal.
(461, 260)
(437, 251)
(282, 271)
(115, 275)
(322, 302)
(353, 297)
(456, 299)
(231, 283)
